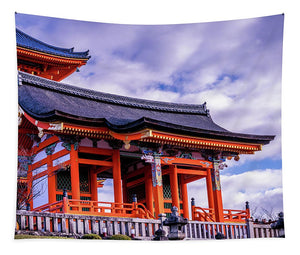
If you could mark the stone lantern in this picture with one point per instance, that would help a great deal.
(175, 222)
(279, 224)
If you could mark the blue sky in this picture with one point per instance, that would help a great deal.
(234, 66)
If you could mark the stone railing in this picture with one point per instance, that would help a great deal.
(257, 230)
(77, 225)
(209, 230)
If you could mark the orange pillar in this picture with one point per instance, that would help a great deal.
(149, 191)
(94, 187)
(174, 186)
(29, 187)
(157, 186)
(75, 183)
(218, 203)
(51, 181)
(184, 194)
(117, 176)
(124, 189)
(209, 187)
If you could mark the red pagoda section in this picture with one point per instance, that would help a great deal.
(44, 60)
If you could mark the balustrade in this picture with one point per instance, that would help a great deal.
(75, 224)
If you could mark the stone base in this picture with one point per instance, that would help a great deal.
(176, 236)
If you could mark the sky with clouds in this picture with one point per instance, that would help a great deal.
(234, 66)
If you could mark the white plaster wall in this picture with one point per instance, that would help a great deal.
(58, 147)
(86, 142)
(40, 191)
(39, 169)
(60, 160)
(103, 144)
(39, 156)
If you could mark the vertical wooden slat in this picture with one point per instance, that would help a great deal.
(122, 226)
(226, 231)
(109, 228)
(72, 226)
(39, 223)
(30, 222)
(143, 229)
(200, 230)
(209, 231)
(80, 228)
(115, 227)
(86, 226)
(150, 229)
(55, 225)
(93, 226)
(137, 229)
(156, 227)
(23, 222)
(63, 225)
(101, 226)
(47, 224)
(129, 227)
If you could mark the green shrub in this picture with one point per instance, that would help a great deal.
(91, 236)
(120, 237)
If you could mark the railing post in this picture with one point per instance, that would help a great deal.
(134, 201)
(193, 208)
(65, 208)
(248, 210)
(250, 228)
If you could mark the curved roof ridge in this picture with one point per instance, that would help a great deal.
(112, 98)
(27, 41)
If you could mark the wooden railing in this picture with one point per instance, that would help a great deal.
(55, 207)
(203, 214)
(97, 208)
(77, 225)
(236, 215)
(208, 214)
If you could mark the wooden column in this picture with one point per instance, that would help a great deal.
(217, 193)
(149, 191)
(75, 183)
(117, 176)
(29, 187)
(124, 190)
(51, 176)
(51, 181)
(185, 198)
(157, 186)
(94, 187)
(209, 187)
(174, 186)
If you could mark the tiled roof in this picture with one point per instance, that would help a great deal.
(111, 98)
(51, 101)
(26, 41)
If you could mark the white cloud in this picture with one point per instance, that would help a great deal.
(262, 188)
(106, 193)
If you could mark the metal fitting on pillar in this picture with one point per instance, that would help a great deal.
(134, 198)
(247, 205)
(192, 201)
(65, 194)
